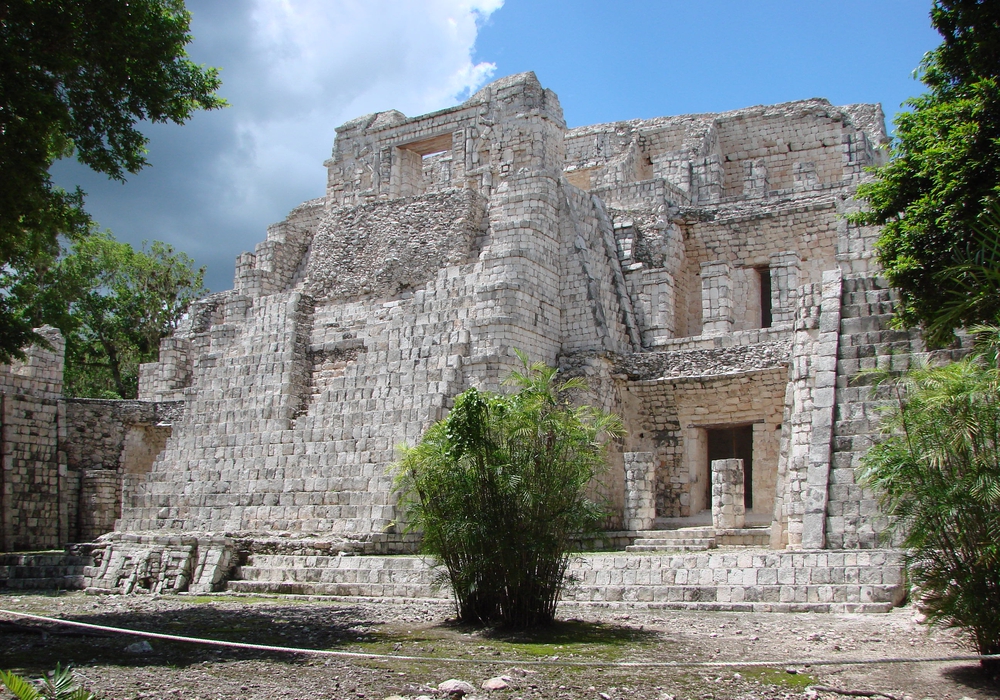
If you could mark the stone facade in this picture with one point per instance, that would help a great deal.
(68, 462)
(698, 271)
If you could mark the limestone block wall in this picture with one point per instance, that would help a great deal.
(671, 399)
(277, 261)
(109, 445)
(295, 407)
(779, 138)
(33, 474)
(447, 241)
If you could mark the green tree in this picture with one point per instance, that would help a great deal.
(937, 473)
(498, 491)
(77, 76)
(944, 171)
(113, 304)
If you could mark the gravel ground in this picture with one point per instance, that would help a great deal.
(421, 628)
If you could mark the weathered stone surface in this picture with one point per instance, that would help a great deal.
(697, 271)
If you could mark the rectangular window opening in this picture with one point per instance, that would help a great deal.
(765, 296)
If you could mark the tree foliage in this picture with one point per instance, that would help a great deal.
(77, 77)
(113, 304)
(938, 474)
(498, 490)
(944, 172)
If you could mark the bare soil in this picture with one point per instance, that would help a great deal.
(418, 628)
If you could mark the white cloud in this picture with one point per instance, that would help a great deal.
(292, 70)
(319, 63)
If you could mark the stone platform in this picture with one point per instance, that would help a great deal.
(32, 571)
(733, 580)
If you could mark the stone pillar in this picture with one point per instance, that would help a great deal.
(784, 269)
(640, 491)
(755, 178)
(716, 298)
(824, 363)
(728, 511)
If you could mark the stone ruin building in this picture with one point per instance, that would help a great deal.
(697, 270)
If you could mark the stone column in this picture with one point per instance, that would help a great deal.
(640, 491)
(716, 298)
(784, 268)
(824, 367)
(728, 511)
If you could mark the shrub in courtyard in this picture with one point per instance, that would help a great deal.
(58, 685)
(937, 474)
(498, 490)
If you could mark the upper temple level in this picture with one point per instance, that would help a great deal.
(714, 219)
(702, 158)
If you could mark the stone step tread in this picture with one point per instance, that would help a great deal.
(669, 547)
(408, 590)
(831, 559)
(670, 544)
(44, 559)
(674, 540)
(680, 532)
(339, 592)
(69, 582)
(12, 572)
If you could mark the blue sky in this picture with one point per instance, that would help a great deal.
(295, 69)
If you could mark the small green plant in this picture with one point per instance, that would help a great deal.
(498, 490)
(937, 473)
(57, 685)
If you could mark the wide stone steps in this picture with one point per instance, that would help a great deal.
(748, 580)
(42, 571)
(699, 539)
(685, 539)
(366, 576)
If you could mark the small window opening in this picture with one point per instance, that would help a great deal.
(765, 296)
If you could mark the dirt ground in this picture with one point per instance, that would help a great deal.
(177, 670)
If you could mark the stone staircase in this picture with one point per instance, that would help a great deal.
(867, 341)
(745, 580)
(34, 571)
(685, 539)
(698, 539)
(348, 576)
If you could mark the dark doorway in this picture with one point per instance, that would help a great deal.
(732, 443)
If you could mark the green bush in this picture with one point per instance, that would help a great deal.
(498, 490)
(58, 685)
(937, 474)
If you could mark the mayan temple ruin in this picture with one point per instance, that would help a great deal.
(697, 270)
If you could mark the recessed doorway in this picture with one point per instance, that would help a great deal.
(735, 442)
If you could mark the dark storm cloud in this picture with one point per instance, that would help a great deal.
(292, 72)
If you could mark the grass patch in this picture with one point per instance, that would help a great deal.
(779, 678)
(568, 640)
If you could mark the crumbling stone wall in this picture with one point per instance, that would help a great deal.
(109, 446)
